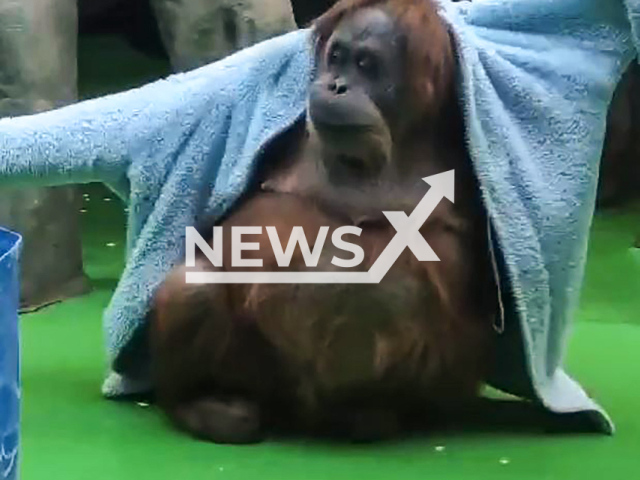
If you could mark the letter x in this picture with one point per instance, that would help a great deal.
(409, 231)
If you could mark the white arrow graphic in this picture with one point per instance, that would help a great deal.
(407, 235)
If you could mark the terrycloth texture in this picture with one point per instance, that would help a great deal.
(537, 77)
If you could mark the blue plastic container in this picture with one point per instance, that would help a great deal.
(10, 248)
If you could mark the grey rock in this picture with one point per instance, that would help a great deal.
(196, 32)
(51, 262)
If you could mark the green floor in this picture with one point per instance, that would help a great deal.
(70, 432)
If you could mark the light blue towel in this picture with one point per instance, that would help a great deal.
(537, 77)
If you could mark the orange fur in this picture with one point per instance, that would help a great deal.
(362, 355)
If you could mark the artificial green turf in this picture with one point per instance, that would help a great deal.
(70, 432)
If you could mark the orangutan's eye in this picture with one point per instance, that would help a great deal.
(368, 64)
(337, 54)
